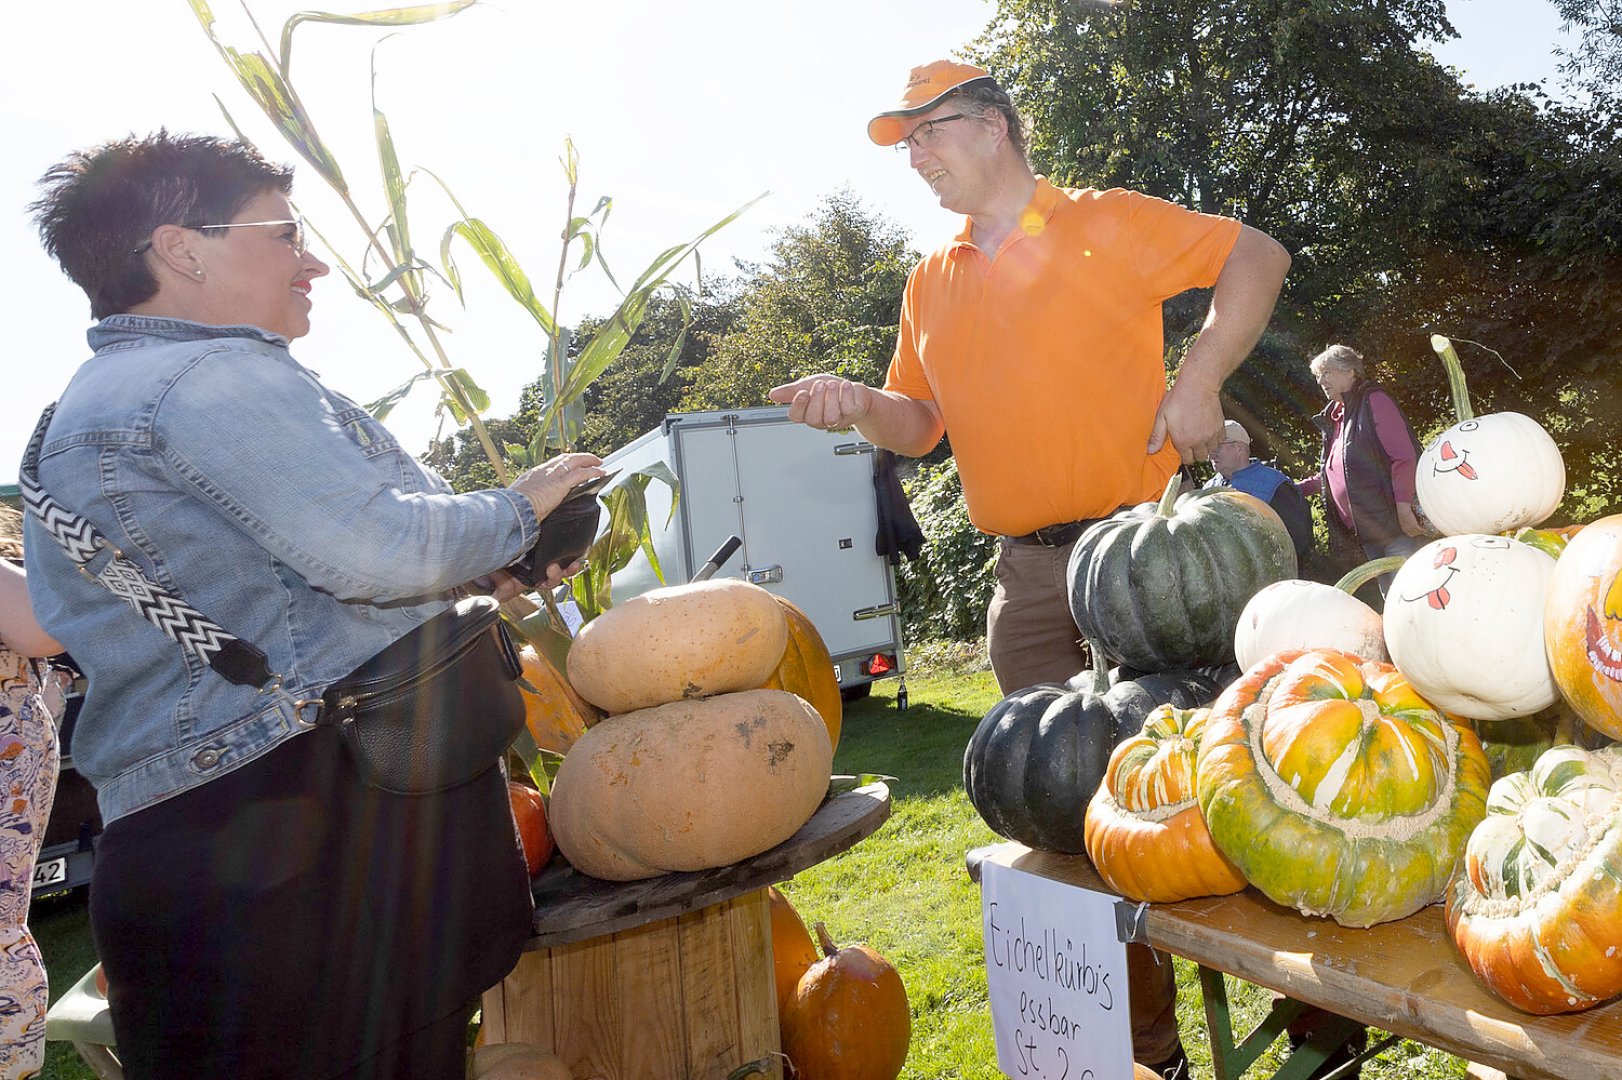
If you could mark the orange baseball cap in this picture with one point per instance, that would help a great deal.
(926, 85)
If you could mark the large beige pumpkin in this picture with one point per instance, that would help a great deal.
(690, 785)
(685, 641)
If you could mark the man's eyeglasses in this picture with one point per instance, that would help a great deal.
(295, 239)
(925, 133)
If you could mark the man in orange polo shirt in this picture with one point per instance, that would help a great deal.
(1035, 338)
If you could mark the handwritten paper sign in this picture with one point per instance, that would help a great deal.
(1056, 973)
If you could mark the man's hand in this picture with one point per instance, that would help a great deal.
(826, 402)
(1191, 417)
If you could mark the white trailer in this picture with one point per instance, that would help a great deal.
(802, 502)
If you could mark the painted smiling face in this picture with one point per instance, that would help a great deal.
(1464, 622)
(1491, 474)
(1583, 624)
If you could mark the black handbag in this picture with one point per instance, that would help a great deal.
(435, 709)
(432, 711)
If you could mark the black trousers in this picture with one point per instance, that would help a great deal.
(286, 920)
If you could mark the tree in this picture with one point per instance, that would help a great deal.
(1595, 66)
(828, 299)
(633, 396)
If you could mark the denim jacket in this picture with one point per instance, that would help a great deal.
(278, 508)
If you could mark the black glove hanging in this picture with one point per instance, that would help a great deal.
(899, 533)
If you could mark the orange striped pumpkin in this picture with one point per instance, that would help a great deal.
(1144, 829)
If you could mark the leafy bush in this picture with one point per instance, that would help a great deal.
(944, 594)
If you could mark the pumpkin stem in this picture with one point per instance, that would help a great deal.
(1168, 501)
(827, 943)
(1362, 575)
(1100, 669)
(1455, 378)
(759, 1067)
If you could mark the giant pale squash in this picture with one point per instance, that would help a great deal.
(1145, 832)
(1464, 623)
(1337, 789)
(807, 669)
(1538, 911)
(1582, 624)
(1161, 587)
(684, 641)
(689, 785)
(1037, 757)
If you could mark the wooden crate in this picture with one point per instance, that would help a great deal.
(685, 998)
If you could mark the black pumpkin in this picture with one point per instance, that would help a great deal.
(1038, 756)
(1161, 586)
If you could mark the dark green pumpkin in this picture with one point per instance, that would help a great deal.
(1038, 756)
(1160, 586)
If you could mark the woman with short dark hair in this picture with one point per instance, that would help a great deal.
(258, 908)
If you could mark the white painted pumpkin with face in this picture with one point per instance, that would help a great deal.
(1464, 623)
(1490, 474)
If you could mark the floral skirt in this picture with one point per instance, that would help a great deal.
(28, 767)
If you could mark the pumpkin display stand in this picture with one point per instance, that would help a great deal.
(669, 977)
(1403, 977)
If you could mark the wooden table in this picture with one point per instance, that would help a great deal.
(1404, 977)
(669, 978)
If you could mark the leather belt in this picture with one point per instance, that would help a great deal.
(1053, 535)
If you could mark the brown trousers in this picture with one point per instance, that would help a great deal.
(1032, 639)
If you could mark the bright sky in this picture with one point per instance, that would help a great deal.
(680, 112)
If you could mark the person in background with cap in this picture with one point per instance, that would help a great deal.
(1235, 468)
(1034, 338)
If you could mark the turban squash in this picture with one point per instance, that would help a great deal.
(1337, 789)
(1145, 832)
(1537, 911)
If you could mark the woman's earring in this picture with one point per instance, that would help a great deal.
(199, 273)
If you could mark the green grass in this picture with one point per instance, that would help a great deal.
(903, 891)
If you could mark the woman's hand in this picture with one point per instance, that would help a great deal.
(548, 484)
(1408, 521)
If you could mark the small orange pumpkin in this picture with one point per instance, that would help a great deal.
(529, 811)
(555, 715)
(1144, 829)
(792, 951)
(849, 1018)
(807, 669)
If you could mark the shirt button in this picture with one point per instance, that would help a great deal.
(206, 759)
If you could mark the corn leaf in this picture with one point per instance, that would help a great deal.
(407, 16)
(674, 358)
(394, 185)
(488, 246)
(271, 92)
(621, 540)
(384, 405)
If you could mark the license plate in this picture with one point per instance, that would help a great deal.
(51, 872)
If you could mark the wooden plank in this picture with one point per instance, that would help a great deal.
(758, 1033)
(586, 1019)
(526, 1003)
(653, 1040)
(709, 999)
(1405, 976)
(571, 907)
